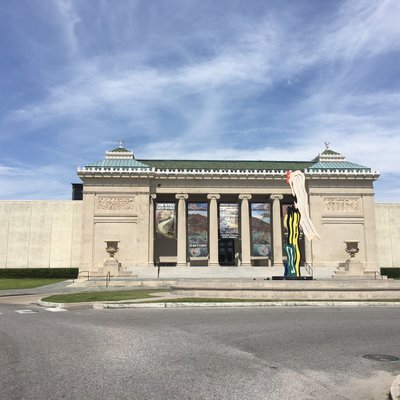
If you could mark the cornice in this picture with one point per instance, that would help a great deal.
(218, 174)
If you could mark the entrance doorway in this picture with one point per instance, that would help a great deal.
(226, 254)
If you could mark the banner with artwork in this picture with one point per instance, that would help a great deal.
(197, 227)
(229, 220)
(165, 219)
(261, 229)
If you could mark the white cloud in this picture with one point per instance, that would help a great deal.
(191, 107)
(362, 29)
(44, 182)
(68, 19)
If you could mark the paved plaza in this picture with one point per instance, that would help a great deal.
(269, 353)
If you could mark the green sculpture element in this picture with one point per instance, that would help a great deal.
(292, 248)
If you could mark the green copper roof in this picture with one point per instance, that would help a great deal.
(122, 158)
(120, 150)
(217, 165)
(227, 165)
(340, 165)
(329, 152)
(117, 163)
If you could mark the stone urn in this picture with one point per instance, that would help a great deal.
(112, 248)
(352, 247)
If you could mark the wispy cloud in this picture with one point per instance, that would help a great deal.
(207, 80)
(46, 182)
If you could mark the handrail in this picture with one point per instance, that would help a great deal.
(309, 269)
(108, 278)
(88, 274)
(158, 269)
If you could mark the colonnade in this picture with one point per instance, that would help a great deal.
(181, 259)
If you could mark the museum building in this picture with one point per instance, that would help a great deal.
(188, 213)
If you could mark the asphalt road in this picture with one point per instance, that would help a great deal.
(269, 353)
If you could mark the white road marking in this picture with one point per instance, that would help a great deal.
(55, 309)
(25, 311)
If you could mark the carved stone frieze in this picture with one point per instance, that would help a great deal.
(113, 203)
(342, 204)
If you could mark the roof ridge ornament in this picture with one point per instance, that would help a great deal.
(327, 144)
(120, 152)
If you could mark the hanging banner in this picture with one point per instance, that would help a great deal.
(261, 229)
(197, 226)
(165, 219)
(229, 220)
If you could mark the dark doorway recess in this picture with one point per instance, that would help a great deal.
(226, 254)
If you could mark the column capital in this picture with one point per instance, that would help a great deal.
(276, 197)
(245, 196)
(183, 196)
(213, 196)
(153, 196)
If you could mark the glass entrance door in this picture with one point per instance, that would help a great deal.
(226, 255)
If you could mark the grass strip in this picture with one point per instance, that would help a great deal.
(26, 283)
(117, 295)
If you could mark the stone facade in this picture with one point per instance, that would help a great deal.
(121, 194)
(120, 199)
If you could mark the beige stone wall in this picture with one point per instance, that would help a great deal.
(114, 212)
(343, 211)
(118, 209)
(40, 234)
(388, 234)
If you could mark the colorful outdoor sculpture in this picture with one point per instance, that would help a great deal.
(297, 216)
(292, 248)
(297, 180)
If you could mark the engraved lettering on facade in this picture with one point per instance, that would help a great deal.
(338, 204)
(115, 203)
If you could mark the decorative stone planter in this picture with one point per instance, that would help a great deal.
(352, 247)
(112, 248)
(111, 265)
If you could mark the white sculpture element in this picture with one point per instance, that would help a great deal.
(296, 180)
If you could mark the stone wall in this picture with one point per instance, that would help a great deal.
(388, 234)
(40, 234)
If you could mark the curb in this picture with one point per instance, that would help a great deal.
(66, 306)
(395, 389)
(244, 304)
(183, 304)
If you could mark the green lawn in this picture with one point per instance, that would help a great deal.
(26, 283)
(147, 294)
(102, 296)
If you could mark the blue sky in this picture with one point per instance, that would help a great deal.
(204, 79)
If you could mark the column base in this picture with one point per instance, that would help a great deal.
(212, 264)
(277, 264)
(182, 265)
(245, 265)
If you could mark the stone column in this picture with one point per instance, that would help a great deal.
(245, 230)
(151, 230)
(213, 233)
(182, 258)
(308, 251)
(277, 230)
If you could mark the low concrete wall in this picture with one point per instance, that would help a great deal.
(294, 290)
(388, 234)
(40, 234)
